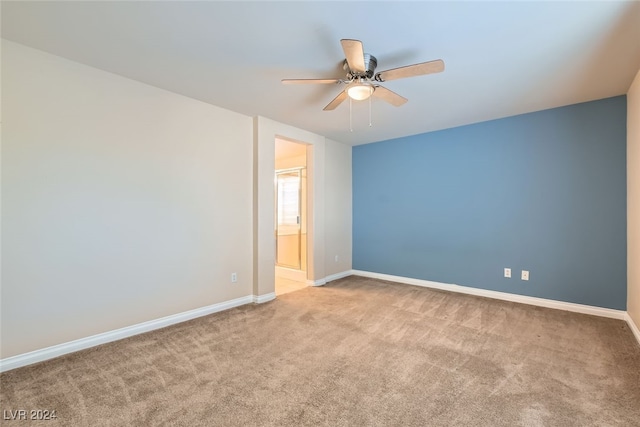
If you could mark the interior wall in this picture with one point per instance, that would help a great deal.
(543, 192)
(633, 200)
(338, 208)
(122, 203)
(290, 154)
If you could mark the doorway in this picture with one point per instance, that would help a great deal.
(289, 218)
(291, 206)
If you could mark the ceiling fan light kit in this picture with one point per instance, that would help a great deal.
(360, 91)
(362, 80)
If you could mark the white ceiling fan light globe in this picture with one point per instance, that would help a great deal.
(360, 91)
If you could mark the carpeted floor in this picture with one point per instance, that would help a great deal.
(357, 352)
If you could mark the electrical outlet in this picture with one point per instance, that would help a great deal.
(234, 277)
(336, 258)
(525, 275)
(507, 272)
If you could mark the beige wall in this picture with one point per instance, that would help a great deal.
(338, 207)
(290, 154)
(122, 203)
(633, 201)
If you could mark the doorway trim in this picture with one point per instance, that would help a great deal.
(265, 133)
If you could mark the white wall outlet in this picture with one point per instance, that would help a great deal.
(507, 272)
(336, 258)
(525, 275)
(234, 277)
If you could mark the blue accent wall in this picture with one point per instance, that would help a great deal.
(544, 192)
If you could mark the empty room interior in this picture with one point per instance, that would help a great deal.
(320, 213)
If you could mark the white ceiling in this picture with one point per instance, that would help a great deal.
(502, 58)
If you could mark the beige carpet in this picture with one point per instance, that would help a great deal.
(357, 352)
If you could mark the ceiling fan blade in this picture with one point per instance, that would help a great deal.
(336, 101)
(354, 53)
(389, 96)
(310, 81)
(411, 70)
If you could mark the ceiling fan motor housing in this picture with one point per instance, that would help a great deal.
(370, 64)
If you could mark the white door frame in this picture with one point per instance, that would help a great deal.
(265, 133)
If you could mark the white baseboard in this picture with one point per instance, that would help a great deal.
(330, 278)
(337, 276)
(106, 337)
(259, 299)
(541, 302)
(319, 282)
(128, 331)
(634, 327)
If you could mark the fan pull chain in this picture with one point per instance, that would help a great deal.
(369, 111)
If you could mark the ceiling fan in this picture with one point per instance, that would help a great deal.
(362, 80)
